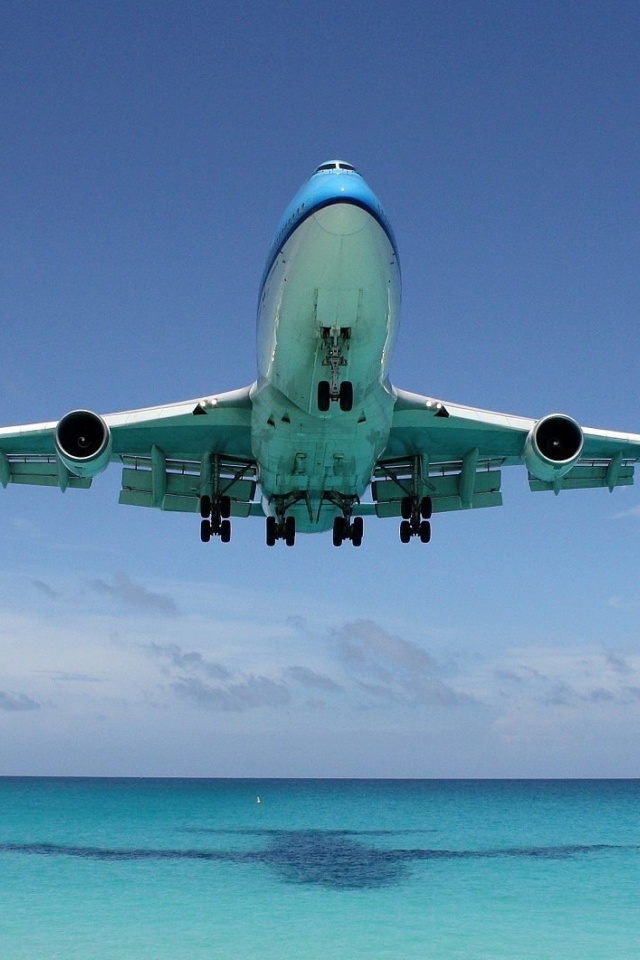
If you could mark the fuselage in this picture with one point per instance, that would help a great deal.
(327, 318)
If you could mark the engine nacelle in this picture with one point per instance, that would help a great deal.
(553, 446)
(83, 443)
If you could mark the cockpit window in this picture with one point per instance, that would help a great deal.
(335, 165)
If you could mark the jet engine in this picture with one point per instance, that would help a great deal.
(553, 446)
(83, 443)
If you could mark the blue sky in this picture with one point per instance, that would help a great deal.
(147, 151)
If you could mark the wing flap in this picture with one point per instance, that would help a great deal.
(178, 484)
(464, 487)
(587, 477)
(40, 472)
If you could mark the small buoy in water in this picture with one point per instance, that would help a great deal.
(258, 800)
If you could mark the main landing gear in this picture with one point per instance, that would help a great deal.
(215, 513)
(416, 516)
(345, 530)
(283, 528)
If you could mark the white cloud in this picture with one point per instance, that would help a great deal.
(16, 702)
(550, 676)
(389, 668)
(130, 594)
(633, 512)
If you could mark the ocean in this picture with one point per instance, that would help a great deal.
(120, 869)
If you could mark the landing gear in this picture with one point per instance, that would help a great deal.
(345, 530)
(336, 341)
(416, 515)
(215, 513)
(227, 486)
(283, 528)
(412, 507)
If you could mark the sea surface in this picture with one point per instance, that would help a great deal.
(118, 869)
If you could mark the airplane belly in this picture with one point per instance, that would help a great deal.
(335, 282)
(337, 272)
(311, 462)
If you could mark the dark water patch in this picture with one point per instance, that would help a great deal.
(330, 858)
(278, 832)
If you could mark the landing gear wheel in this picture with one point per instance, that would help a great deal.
(357, 530)
(205, 531)
(272, 531)
(225, 530)
(405, 531)
(426, 508)
(290, 531)
(405, 508)
(324, 395)
(425, 531)
(225, 507)
(338, 531)
(346, 396)
(205, 507)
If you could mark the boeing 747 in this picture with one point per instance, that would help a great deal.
(321, 439)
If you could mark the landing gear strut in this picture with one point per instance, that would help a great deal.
(336, 340)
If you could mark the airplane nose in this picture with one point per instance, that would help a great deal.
(341, 219)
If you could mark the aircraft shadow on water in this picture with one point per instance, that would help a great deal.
(338, 859)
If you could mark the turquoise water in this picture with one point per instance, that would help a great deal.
(409, 870)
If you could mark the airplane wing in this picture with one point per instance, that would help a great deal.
(454, 454)
(171, 455)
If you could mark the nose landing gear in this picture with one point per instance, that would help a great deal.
(336, 341)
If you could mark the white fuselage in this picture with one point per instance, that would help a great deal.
(335, 279)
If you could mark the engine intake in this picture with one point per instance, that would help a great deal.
(83, 443)
(553, 447)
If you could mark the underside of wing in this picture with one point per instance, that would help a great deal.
(453, 455)
(172, 455)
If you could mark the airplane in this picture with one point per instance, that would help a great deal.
(321, 439)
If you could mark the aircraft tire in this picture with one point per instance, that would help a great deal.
(405, 508)
(225, 530)
(324, 395)
(425, 531)
(205, 531)
(426, 508)
(357, 530)
(272, 533)
(225, 507)
(338, 531)
(346, 396)
(290, 531)
(405, 531)
(205, 507)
